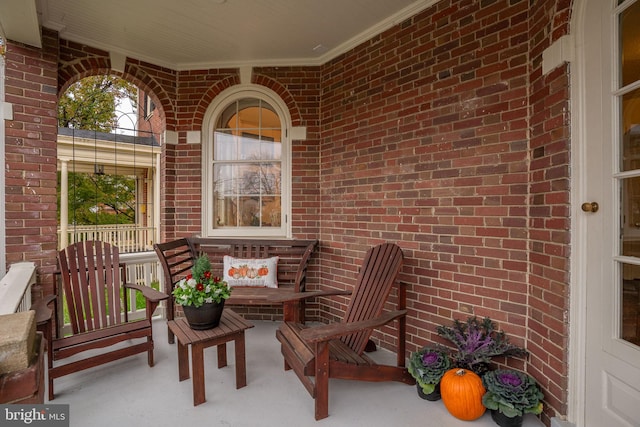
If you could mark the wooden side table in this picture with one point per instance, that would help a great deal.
(231, 327)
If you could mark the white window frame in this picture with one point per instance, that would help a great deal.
(219, 104)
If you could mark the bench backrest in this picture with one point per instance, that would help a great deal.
(293, 255)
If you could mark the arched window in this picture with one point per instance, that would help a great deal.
(246, 192)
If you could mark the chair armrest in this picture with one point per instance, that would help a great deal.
(335, 330)
(42, 309)
(148, 292)
(297, 296)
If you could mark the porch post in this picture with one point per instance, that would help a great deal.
(64, 204)
(156, 199)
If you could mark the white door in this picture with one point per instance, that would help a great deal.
(612, 162)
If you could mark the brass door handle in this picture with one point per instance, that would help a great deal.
(590, 207)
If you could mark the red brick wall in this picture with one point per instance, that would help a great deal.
(441, 134)
(549, 196)
(30, 162)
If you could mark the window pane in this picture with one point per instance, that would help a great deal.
(630, 129)
(225, 147)
(249, 179)
(249, 117)
(225, 211)
(271, 211)
(271, 148)
(229, 118)
(249, 211)
(270, 178)
(269, 119)
(223, 182)
(630, 44)
(250, 145)
(631, 309)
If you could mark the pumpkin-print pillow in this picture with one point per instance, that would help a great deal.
(251, 272)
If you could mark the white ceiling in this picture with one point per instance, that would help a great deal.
(190, 34)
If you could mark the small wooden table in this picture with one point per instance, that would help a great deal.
(231, 327)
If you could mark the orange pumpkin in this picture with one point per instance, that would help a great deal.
(462, 392)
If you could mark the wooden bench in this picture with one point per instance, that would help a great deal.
(177, 258)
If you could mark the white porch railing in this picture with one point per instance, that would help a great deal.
(127, 237)
(15, 288)
(143, 268)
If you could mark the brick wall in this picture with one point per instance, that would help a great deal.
(442, 135)
(30, 162)
(549, 196)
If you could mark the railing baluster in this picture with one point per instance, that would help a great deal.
(127, 237)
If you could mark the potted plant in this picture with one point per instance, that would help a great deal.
(202, 295)
(476, 342)
(427, 366)
(511, 394)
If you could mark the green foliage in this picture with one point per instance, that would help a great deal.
(200, 267)
(201, 286)
(100, 199)
(511, 392)
(91, 103)
(428, 365)
(476, 342)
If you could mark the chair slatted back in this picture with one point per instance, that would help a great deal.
(91, 280)
(376, 277)
(177, 258)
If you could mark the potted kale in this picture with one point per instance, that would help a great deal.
(511, 394)
(476, 343)
(427, 366)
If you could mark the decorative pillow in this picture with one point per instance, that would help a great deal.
(251, 272)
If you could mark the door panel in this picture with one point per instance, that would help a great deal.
(612, 138)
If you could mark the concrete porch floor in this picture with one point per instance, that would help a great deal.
(129, 393)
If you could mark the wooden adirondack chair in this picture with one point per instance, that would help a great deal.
(337, 350)
(95, 292)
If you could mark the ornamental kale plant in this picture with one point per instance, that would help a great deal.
(476, 342)
(511, 392)
(428, 365)
(201, 286)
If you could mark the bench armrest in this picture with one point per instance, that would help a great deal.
(298, 296)
(335, 330)
(301, 275)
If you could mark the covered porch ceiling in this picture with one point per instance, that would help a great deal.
(210, 33)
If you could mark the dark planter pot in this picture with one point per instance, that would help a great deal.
(207, 316)
(433, 396)
(503, 421)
